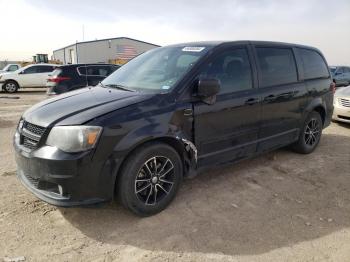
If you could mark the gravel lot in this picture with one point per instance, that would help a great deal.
(277, 207)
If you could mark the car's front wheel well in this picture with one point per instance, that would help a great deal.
(170, 141)
(10, 80)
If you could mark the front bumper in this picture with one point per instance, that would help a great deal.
(341, 114)
(64, 179)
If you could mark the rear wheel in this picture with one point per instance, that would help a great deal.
(150, 179)
(310, 134)
(11, 86)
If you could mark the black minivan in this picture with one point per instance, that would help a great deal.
(168, 114)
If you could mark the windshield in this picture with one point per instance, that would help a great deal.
(333, 69)
(157, 70)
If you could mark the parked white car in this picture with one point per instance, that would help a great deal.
(342, 105)
(10, 68)
(34, 75)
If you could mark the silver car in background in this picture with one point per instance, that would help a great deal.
(341, 75)
(342, 105)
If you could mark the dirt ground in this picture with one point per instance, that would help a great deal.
(277, 207)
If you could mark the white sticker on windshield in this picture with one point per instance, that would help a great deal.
(193, 49)
(165, 87)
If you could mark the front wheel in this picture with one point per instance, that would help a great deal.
(310, 134)
(11, 87)
(150, 179)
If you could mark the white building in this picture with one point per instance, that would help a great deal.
(114, 50)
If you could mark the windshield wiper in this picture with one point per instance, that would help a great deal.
(121, 87)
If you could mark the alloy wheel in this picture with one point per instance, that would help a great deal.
(312, 132)
(154, 180)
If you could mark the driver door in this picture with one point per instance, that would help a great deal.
(228, 129)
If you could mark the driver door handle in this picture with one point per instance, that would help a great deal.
(252, 101)
(270, 98)
(188, 112)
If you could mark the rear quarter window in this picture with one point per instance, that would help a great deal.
(277, 66)
(313, 64)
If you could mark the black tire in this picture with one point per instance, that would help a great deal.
(148, 196)
(10, 86)
(310, 134)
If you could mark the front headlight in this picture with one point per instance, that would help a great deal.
(74, 138)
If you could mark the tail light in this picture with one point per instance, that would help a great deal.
(332, 87)
(57, 79)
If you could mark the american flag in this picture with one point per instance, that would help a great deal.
(126, 52)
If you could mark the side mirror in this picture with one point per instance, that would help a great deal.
(208, 88)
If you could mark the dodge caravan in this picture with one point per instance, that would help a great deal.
(168, 114)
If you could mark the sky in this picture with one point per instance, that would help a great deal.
(29, 27)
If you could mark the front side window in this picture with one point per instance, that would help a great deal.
(158, 70)
(31, 70)
(232, 68)
(277, 66)
(313, 63)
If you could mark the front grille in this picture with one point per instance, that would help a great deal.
(31, 135)
(344, 102)
(29, 143)
(33, 181)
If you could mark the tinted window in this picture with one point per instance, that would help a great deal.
(113, 68)
(103, 71)
(94, 70)
(277, 66)
(31, 70)
(314, 65)
(233, 70)
(45, 69)
(339, 71)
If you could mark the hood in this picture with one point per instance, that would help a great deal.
(78, 107)
(343, 91)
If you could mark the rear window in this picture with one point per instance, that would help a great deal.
(277, 66)
(313, 63)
